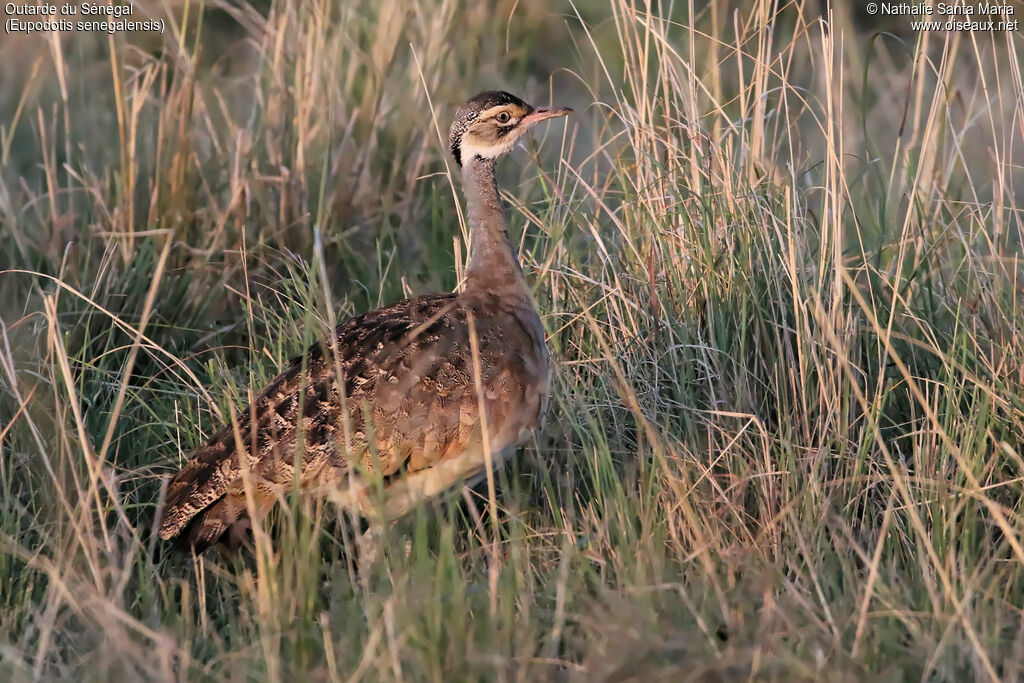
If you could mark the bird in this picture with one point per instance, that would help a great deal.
(412, 398)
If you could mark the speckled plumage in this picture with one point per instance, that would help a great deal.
(392, 393)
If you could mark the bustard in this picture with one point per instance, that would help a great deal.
(393, 393)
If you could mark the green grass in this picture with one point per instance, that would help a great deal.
(779, 259)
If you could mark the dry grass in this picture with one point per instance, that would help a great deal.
(780, 262)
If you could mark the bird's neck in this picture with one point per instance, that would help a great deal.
(493, 267)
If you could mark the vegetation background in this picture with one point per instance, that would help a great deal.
(778, 255)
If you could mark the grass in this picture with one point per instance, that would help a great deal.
(779, 258)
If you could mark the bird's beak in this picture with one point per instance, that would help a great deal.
(542, 113)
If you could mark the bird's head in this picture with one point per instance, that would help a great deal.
(490, 123)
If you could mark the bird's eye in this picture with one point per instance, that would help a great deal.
(503, 117)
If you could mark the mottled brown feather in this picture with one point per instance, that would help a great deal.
(406, 375)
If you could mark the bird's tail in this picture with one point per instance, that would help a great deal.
(226, 520)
